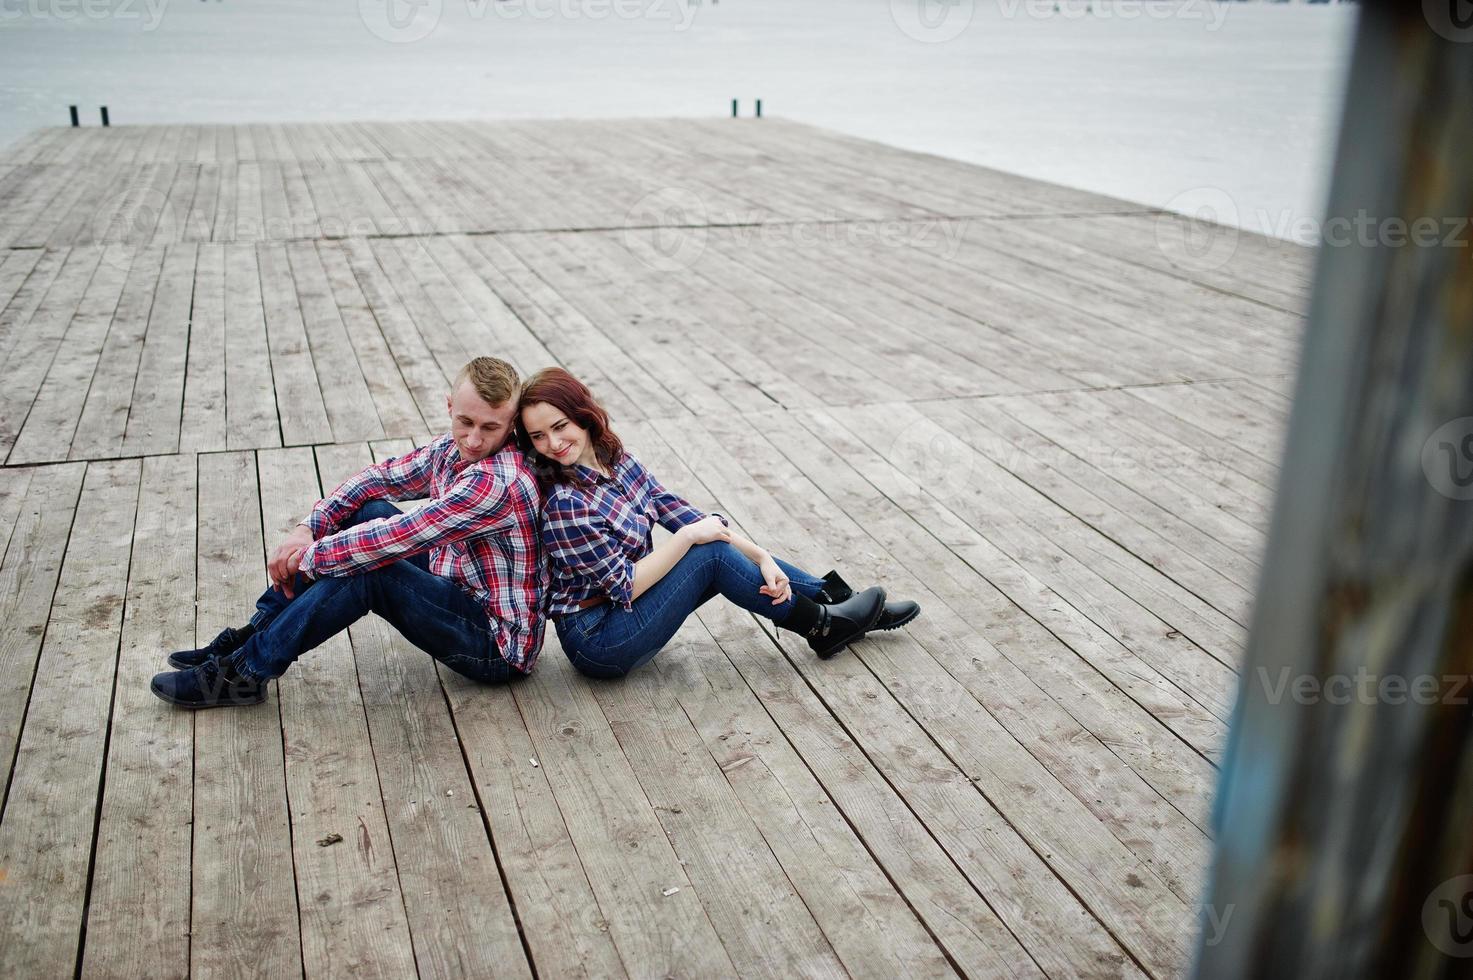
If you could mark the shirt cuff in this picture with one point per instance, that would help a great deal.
(318, 523)
(307, 566)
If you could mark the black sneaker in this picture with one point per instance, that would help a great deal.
(896, 613)
(213, 684)
(229, 641)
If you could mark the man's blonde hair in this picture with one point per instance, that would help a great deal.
(495, 381)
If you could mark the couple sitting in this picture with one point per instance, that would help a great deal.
(463, 576)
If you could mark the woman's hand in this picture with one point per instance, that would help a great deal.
(706, 530)
(777, 581)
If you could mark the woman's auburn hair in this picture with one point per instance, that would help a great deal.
(556, 387)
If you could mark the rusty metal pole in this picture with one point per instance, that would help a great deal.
(1344, 818)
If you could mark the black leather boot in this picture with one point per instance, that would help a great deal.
(895, 614)
(830, 628)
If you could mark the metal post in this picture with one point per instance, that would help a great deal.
(75, 120)
(759, 108)
(1344, 843)
(104, 116)
(733, 108)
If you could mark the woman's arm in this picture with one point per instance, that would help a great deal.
(667, 554)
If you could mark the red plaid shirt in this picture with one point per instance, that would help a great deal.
(480, 528)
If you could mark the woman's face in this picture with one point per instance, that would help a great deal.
(556, 436)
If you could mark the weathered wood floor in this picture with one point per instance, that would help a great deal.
(1051, 417)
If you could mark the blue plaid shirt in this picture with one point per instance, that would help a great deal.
(595, 527)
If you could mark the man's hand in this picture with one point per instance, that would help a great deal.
(287, 558)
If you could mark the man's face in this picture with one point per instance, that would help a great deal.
(478, 429)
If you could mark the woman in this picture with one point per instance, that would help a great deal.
(617, 599)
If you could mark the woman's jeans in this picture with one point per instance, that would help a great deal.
(431, 611)
(609, 641)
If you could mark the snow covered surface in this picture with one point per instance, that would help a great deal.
(1191, 105)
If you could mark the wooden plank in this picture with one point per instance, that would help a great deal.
(21, 272)
(47, 831)
(871, 928)
(709, 319)
(155, 415)
(251, 418)
(54, 361)
(202, 421)
(449, 349)
(243, 919)
(628, 859)
(1014, 653)
(299, 392)
(352, 912)
(345, 393)
(939, 747)
(28, 577)
(98, 434)
(511, 338)
(764, 924)
(397, 412)
(138, 904)
(424, 378)
(1157, 535)
(1095, 618)
(33, 324)
(440, 844)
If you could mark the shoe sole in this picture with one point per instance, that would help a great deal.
(895, 625)
(197, 707)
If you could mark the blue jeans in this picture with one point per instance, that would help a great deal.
(609, 641)
(431, 611)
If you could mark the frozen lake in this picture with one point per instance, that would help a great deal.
(1179, 105)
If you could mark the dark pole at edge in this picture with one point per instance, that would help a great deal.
(1342, 825)
(75, 120)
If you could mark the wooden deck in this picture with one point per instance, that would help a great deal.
(1051, 417)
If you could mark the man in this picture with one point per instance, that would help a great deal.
(460, 576)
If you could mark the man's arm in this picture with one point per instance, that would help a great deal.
(485, 499)
(404, 477)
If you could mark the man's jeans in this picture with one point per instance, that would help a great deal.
(432, 612)
(609, 641)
